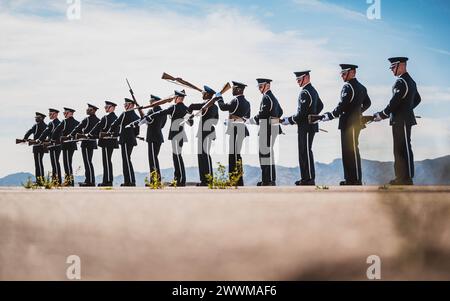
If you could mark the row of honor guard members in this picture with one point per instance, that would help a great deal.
(354, 101)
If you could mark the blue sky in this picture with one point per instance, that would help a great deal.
(49, 61)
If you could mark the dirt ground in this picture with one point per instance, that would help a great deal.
(273, 233)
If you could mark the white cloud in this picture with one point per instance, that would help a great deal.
(324, 7)
(53, 62)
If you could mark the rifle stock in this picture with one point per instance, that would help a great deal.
(65, 138)
(210, 102)
(314, 118)
(105, 135)
(225, 88)
(366, 119)
(80, 136)
(33, 142)
(180, 81)
(157, 103)
(19, 141)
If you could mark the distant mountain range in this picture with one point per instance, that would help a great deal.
(428, 172)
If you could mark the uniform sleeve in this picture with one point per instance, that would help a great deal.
(195, 107)
(58, 130)
(230, 107)
(264, 109)
(46, 133)
(347, 95)
(398, 93)
(30, 131)
(169, 111)
(79, 127)
(214, 114)
(304, 103)
(366, 103)
(116, 124)
(417, 100)
(163, 120)
(98, 127)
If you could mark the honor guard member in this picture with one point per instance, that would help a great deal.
(107, 144)
(268, 119)
(206, 134)
(38, 150)
(354, 101)
(177, 112)
(127, 140)
(154, 136)
(309, 103)
(68, 147)
(54, 149)
(400, 110)
(87, 144)
(239, 110)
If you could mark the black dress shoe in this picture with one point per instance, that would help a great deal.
(309, 182)
(298, 183)
(350, 183)
(408, 181)
(87, 184)
(105, 185)
(272, 183)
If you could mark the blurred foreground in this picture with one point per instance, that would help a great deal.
(273, 233)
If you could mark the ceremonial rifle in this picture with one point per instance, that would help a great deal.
(209, 103)
(180, 81)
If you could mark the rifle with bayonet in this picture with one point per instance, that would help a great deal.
(141, 113)
(180, 81)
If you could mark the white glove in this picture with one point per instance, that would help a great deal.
(250, 121)
(377, 117)
(326, 117)
(144, 121)
(285, 121)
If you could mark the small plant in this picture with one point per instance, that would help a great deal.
(236, 174)
(384, 187)
(47, 182)
(322, 187)
(68, 180)
(155, 181)
(29, 184)
(173, 183)
(223, 180)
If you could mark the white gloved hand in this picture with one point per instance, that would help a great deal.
(377, 117)
(326, 117)
(285, 121)
(249, 121)
(144, 121)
